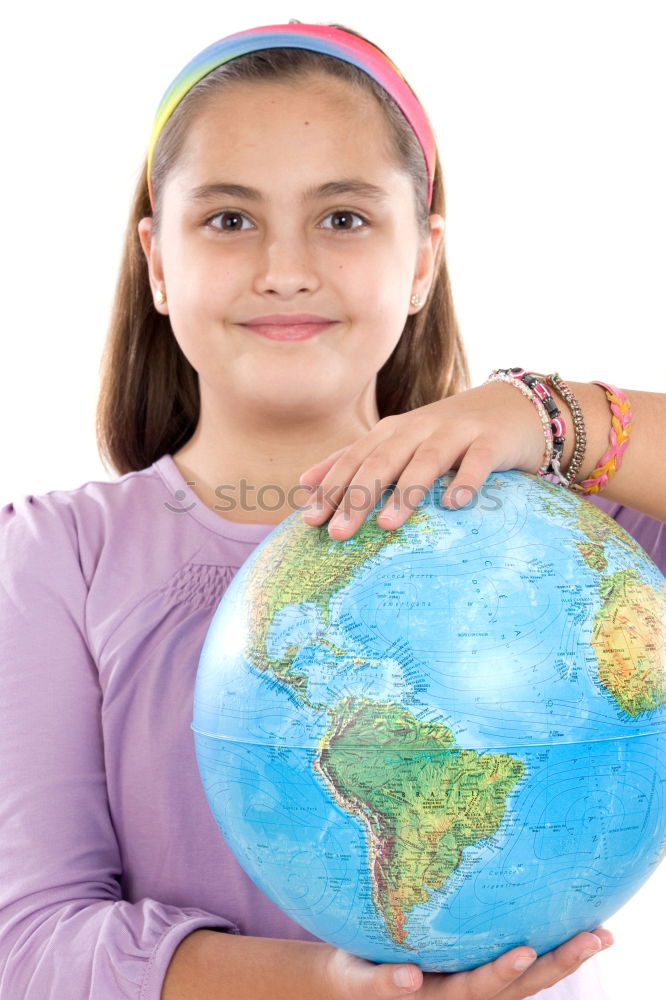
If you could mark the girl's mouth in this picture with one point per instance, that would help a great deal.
(285, 326)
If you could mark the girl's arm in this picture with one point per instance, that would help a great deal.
(66, 933)
(211, 966)
(640, 482)
(489, 428)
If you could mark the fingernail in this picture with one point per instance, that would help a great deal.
(589, 952)
(404, 979)
(605, 937)
(524, 962)
(462, 497)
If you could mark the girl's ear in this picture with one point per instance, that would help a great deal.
(427, 257)
(154, 259)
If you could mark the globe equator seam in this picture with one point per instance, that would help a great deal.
(478, 749)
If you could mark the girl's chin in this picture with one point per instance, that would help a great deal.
(283, 387)
(296, 400)
(294, 406)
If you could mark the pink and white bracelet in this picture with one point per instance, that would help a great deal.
(502, 375)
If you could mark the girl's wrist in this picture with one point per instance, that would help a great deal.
(583, 419)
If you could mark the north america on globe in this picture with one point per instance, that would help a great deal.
(448, 739)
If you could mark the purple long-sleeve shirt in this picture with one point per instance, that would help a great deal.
(109, 855)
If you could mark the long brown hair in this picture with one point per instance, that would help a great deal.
(149, 401)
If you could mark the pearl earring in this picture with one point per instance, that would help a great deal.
(415, 299)
(160, 295)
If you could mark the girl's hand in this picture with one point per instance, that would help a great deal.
(513, 976)
(491, 427)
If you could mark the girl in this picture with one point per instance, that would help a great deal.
(283, 297)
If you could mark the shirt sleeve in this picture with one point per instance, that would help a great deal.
(65, 930)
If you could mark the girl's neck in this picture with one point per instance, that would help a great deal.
(250, 473)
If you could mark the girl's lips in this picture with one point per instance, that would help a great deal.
(289, 328)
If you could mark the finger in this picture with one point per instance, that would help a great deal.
(352, 978)
(314, 475)
(376, 475)
(554, 966)
(341, 472)
(605, 936)
(353, 487)
(474, 468)
(328, 495)
(427, 464)
(390, 982)
(492, 979)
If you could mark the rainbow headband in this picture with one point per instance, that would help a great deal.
(316, 38)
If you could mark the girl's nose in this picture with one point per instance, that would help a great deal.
(286, 266)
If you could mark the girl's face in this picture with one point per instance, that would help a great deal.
(289, 247)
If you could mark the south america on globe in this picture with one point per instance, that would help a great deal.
(438, 743)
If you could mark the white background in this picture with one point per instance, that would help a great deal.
(550, 120)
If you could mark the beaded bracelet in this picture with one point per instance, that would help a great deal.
(558, 429)
(502, 375)
(580, 434)
(619, 432)
(557, 423)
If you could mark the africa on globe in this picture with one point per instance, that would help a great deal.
(438, 743)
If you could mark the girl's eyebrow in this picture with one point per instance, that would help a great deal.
(350, 186)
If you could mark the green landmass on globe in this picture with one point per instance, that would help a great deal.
(420, 808)
(293, 571)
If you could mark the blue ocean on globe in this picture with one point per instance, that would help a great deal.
(438, 743)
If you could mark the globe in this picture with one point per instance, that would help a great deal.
(437, 743)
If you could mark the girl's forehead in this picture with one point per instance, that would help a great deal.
(258, 104)
(272, 127)
(312, 82)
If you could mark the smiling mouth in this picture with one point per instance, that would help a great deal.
(283, 329)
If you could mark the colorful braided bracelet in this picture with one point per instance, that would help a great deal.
(619, 432)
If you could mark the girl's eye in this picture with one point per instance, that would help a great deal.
(343, 221)
(230, 222)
